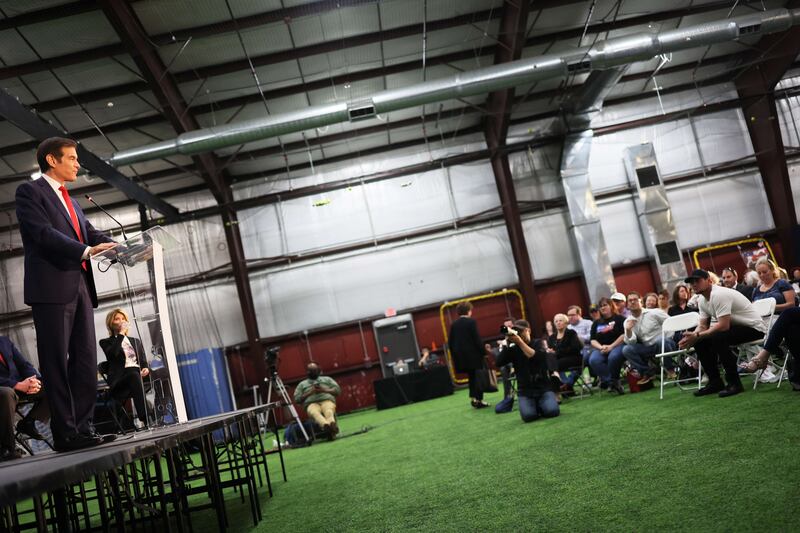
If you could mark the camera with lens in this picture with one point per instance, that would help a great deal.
(271, 358)
(507, 331)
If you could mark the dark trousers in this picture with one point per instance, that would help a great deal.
(473, 389)
(68, 361)
(716, 349)
(129, 385)
(786, 327)
(9, 399)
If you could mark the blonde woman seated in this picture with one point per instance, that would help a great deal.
(565, 347)
(772, 286)
(127, 364)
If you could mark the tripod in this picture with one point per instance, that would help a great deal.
(276, 383)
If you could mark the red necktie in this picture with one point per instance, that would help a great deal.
(3, 360)
(73, 216)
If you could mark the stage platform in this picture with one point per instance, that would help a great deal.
(143, 477)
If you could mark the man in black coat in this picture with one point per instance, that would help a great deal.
(19, 381)
(467, 350)
(58, 242)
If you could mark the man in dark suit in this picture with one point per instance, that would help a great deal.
(467, 350)
(18, 381)
(59, 287)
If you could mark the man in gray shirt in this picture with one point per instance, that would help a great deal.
(727, 318)
(642, 337)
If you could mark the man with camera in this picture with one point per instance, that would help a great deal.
(536, 397)
(318, 395)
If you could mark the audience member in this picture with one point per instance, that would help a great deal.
(680, 301)
(565, 346)
(786, 328)
(730, 279)
(663, 300)
(19, 381)
(318, 395)
(127, 363)
(618, 301)
(505, 370)
(772, 286)
(642, 338)
(650, 301)
(795, 275)
(606, 359)
(594, 312)
(583, 327)
(467, 350)
(536, 398)
(726, 319)
(427, 359)
(751, 278)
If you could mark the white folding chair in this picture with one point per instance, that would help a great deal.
(766, 309)
(671, 325)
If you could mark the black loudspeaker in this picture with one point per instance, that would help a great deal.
(396, 340)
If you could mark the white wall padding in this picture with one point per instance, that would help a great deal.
(354, 286)
(549, 247)
(719, 209)
(621, 230)
(722, 136)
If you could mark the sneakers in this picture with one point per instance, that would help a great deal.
(479, 404)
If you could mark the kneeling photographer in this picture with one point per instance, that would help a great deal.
(536, 397)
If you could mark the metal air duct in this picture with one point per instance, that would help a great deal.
(600, 56)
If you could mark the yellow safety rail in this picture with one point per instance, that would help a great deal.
(730, 244)
(504, 292)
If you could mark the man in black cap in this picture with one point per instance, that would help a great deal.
(727, 318)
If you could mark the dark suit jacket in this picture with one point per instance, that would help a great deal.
(112, 347)
(466, 346)
(17, 368)
(52, 249)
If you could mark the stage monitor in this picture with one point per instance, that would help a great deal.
(668, 252)
(648, 177)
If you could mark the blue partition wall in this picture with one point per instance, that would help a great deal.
(204, 377)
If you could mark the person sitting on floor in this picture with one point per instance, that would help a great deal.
(536, 397)
(127, 363)
(786, 328)
(606, 358)
(19, 381)
(772, 286)
(565, 346)
(726, 319)
(318, 395)
(642, 338)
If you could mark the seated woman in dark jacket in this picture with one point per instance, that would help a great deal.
(565, 346)
(127, 364)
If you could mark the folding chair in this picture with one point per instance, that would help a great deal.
(21, 438)
(671, 325)
(766, 309)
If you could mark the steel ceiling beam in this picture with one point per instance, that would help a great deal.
(32, 124)
(190, 75)
(511, 41)
(755, 87)
(135, 39)
(47, 14)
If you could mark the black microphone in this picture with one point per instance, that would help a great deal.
(108, 214)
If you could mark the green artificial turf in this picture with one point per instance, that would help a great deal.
(608, 463)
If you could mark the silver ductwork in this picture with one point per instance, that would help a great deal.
(584, 218)
(600, 56)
